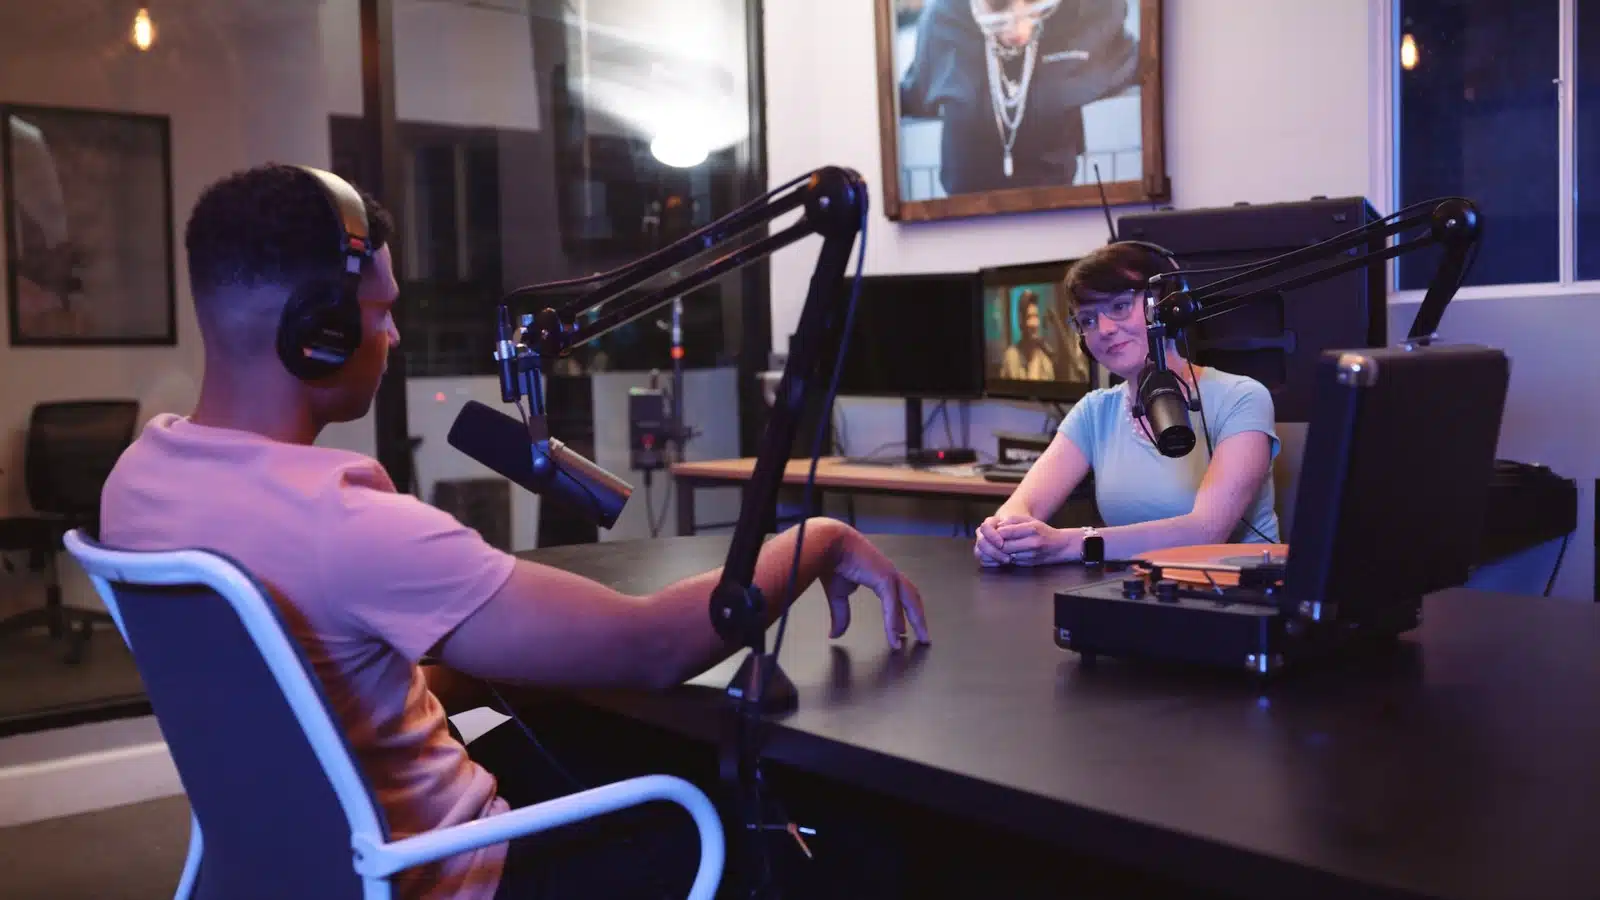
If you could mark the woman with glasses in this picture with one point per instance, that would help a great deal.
(1221, 493)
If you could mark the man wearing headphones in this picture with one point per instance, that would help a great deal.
(1223, 494)
(293, 288)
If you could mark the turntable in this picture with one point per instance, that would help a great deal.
(1391, 506)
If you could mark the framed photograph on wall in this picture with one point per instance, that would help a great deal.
(1003, 106)
(88, 222)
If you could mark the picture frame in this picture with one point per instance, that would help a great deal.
(957, 78)
(87, 198)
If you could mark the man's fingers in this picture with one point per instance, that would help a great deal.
(911, 609)
(839, 591)
(891, 606)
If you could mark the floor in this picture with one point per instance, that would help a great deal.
(36, 682)
(132, 852)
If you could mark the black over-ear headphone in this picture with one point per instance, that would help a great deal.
(321, 325)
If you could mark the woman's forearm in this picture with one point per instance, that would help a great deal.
(1129, 541)
(1014, 506)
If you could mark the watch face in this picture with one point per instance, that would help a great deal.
(1094, 549)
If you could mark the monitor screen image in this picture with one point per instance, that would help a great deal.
(1030, 351)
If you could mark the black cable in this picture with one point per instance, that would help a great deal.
(649, 506)
(543, 751)
(816, 446)
(748, 702)
(1560, 555)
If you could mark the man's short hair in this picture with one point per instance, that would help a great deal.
(264, 226)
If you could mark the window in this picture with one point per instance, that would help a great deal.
(1480, 113)
(553, 141)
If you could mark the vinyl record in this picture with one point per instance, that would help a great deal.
(1207, 564)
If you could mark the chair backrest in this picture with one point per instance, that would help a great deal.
(269, 776)
(72, 447)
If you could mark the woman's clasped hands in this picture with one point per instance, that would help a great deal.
(1021, 540)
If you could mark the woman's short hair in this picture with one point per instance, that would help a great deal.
(1111, 270)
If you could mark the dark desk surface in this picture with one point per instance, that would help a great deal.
(1466, 766)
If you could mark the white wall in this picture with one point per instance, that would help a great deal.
(1266, 100)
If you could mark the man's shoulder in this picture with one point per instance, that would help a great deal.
(174, 456)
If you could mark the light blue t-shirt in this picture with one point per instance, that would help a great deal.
(1134, 483)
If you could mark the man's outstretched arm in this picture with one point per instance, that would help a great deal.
(546, 626)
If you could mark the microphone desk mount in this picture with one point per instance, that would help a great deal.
(833, 203)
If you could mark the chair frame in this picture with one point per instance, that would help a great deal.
(375, 859)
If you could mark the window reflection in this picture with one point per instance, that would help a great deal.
(634, 130)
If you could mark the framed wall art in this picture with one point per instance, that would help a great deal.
(88, 215)
(1001, 106)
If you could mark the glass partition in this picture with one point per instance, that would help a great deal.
(546, 140)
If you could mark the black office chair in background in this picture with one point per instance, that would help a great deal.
(70, 450)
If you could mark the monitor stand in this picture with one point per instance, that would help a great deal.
(916, 456)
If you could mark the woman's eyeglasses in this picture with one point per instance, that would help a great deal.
(1118, 309)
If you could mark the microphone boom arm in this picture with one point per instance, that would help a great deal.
(1452, 222)
(834, 202)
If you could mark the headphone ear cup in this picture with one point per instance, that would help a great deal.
(320, 329)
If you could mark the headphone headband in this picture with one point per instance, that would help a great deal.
(1171, 258)
(350, 209)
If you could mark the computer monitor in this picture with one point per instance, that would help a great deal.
(1030, 352)
(915, 336)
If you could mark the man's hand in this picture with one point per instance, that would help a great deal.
(989, 548)
(1031, 542)
(857, 563)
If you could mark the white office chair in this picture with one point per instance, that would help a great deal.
(271, 781)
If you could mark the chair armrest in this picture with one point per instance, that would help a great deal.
(375, 860)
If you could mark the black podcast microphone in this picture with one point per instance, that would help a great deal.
(548, 468)
(1161, 399)
(1167, 408)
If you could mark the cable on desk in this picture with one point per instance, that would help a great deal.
(1556, 570)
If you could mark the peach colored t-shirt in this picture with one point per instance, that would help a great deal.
(367, 578)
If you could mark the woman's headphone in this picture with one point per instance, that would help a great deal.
(321, 325)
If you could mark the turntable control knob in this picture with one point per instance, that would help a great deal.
(1167, 591)
(1133, 588)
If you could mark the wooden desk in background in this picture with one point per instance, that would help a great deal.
(834, 475)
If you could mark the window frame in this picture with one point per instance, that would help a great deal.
(1385, 131)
